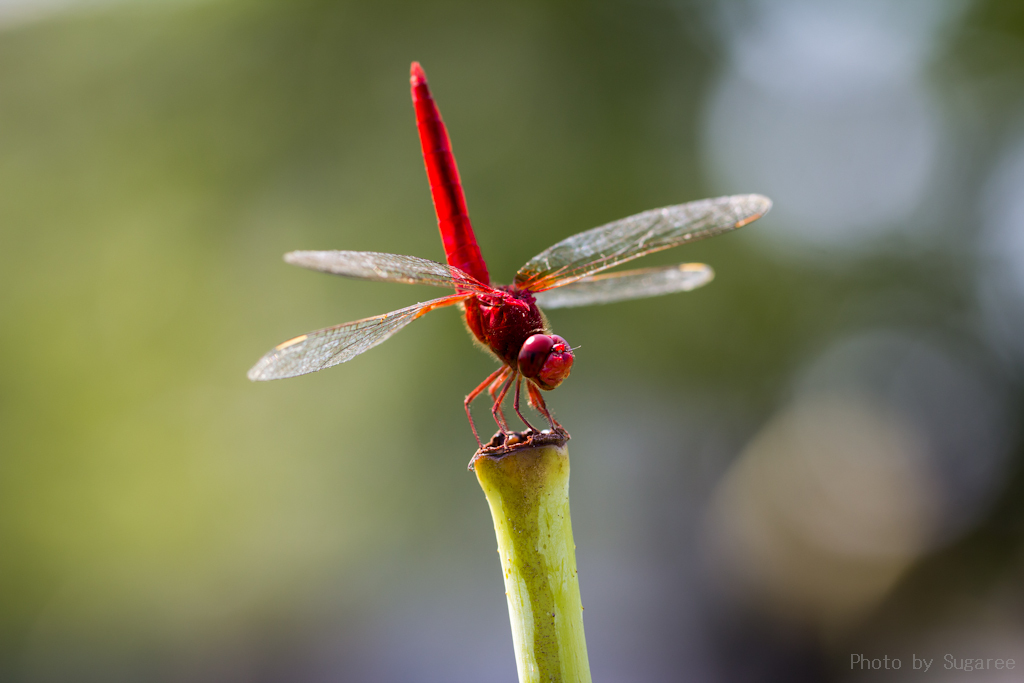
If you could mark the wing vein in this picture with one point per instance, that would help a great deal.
(333, 345)
(609, 245)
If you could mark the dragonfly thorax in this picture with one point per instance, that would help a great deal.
(504, 325)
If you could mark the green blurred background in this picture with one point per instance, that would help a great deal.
(817, 456)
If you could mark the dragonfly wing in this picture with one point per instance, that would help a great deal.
(372, 265)
(332, 345)
(624, 240)
(629, 284)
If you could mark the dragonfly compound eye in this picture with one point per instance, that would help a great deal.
(556, 366)
(533, 354)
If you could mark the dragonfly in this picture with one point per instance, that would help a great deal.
(507, 320)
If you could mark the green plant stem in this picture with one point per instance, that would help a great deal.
(528, 493)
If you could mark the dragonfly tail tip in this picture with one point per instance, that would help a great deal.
(416, 75)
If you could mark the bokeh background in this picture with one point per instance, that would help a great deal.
(819, 455)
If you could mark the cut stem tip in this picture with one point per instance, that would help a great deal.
(504, 443)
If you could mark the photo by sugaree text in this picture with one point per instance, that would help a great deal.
(948, 661)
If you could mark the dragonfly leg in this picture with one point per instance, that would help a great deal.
(515, 404)
(493, 391)
(537, 401)
(499, 417)
(496, 384)
(476, 392)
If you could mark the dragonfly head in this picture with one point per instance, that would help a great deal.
(546, 359)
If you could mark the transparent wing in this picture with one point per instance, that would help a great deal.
(372, 265)
(629, 284)
(332, 345)
(645, 233)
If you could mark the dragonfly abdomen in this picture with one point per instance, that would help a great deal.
(460, 247)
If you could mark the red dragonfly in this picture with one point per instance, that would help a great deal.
(507, 319)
